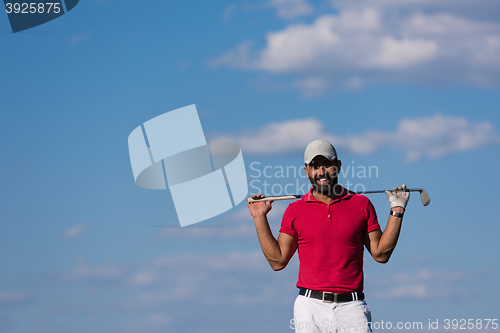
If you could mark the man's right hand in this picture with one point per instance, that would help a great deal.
(260, 208)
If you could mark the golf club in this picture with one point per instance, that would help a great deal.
(424, 197)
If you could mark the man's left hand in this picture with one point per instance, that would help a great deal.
(399, 196)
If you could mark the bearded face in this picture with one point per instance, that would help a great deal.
(323, 174)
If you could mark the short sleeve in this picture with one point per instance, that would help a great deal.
(287, 222)
(371, 218)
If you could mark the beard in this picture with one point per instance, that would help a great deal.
(326, 188)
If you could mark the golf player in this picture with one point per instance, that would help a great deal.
(329, 226)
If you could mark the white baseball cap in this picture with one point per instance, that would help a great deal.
(319, 147)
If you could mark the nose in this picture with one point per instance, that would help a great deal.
(322, 170)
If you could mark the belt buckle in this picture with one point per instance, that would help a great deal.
(327, 301)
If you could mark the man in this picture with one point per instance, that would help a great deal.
(330, 226)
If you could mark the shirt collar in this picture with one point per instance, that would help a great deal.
(345, 194)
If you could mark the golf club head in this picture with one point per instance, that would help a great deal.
(424, 197)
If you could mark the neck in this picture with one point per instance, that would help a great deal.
(329, 196)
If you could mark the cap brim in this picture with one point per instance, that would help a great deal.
(312, 158)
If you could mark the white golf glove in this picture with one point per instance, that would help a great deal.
(398, 197)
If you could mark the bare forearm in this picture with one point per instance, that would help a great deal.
(390, 236)
(268, 243)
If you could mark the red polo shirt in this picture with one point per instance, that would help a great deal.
(330, 240)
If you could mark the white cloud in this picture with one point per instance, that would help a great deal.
(160, 295)
(229, 12)
(8, 299)
(355, 83)
(143, 277)
(401, 53)
(203, 283)
(81, 38)
(424, 284)
(430, 137)
(412, 291)
(237, 231)
(479, 9)
(252, 261)
(415, 41)
(75, 231)
(281, 137)
(312, 87)
(237, 225)
(227, 277)
(290, 9)
(438, 136)
(153, 322)
(155, 294)
(85, 272)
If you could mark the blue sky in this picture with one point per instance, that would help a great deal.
(409, 88)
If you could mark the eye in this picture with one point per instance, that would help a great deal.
(326, 166)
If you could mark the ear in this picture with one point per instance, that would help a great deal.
(339, 166)
(305, 171)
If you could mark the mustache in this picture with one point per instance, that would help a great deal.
(327, 176)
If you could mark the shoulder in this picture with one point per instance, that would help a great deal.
(359, 198)
(296, 207)
(366, 209)
(360, 201)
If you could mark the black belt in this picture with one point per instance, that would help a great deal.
(329, 297)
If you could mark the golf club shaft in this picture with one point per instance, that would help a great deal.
(424, 197)
(383, 191)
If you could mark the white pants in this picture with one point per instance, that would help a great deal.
(315, 316)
